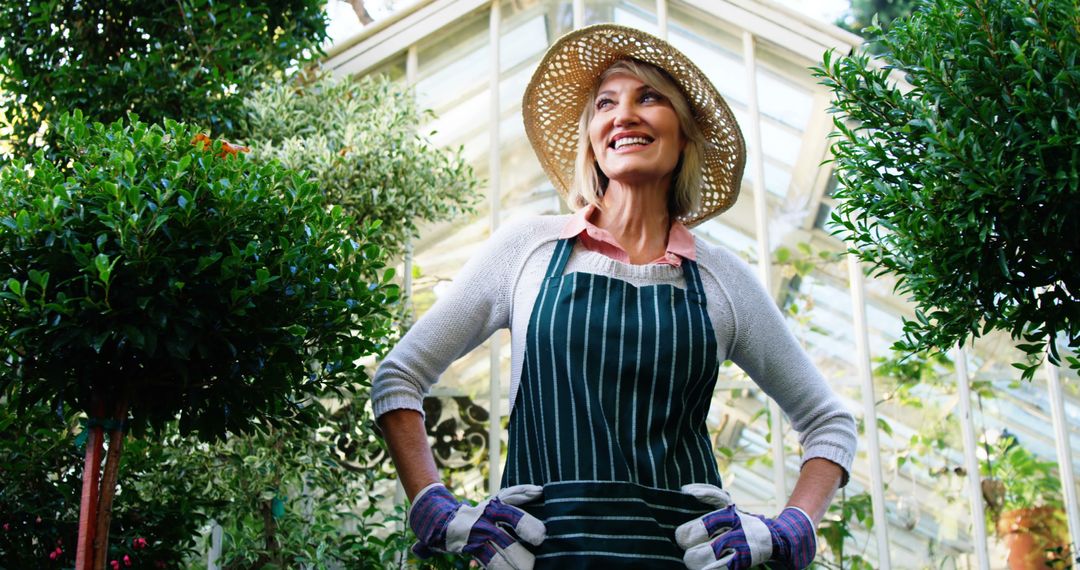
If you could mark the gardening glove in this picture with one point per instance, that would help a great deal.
(489, 531)
(731, 539)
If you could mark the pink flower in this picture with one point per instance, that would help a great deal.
(7, 527)
(138, 543)
(52, 555)
(115, 564)
(127, 560)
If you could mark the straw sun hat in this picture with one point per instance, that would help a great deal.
(557, 94)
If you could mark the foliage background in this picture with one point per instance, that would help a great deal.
(867, 13)
(964, 187)
(190, 60)
(224, 69)
(360, 142)
(40, 490)
(148, 270)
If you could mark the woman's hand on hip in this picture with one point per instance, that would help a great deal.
(490, 531)
(731, 539)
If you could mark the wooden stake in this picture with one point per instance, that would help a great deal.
(84, 550)
(108, 485)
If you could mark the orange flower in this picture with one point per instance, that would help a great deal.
(227, 148)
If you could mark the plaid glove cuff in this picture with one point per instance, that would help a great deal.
(430, 514)
(794, 538)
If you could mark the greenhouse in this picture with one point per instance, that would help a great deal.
(412, 114)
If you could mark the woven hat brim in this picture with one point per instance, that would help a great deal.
(557, 92)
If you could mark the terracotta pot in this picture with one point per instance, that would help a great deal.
(1030, 533)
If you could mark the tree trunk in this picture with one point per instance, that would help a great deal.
(88, 505)
(108, 485)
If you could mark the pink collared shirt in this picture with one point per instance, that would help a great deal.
(680, 243)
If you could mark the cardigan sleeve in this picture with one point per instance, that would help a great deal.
(764, 347)
(476, 305)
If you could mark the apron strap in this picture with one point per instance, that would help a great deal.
(695, 292)
(558, 259)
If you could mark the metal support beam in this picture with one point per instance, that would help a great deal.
(214, 554)
(411, 76)
(862, 361)
(494, 173)
(971, 462)
(412, 66)
(761, 216)
(1064, 455)
(661, 18)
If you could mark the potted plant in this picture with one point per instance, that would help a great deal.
(1023, 499)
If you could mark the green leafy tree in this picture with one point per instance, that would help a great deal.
(191, 60)
(147, 278)
(359, 139)
(965, 185)
(318, 496)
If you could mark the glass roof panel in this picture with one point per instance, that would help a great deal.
(639, 15)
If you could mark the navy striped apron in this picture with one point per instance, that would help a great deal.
(610, 416)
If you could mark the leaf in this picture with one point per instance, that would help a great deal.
(885, 426)
(105, 267)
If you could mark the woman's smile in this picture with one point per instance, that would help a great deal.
(629, 141)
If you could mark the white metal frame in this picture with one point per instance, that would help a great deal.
(971, 462)
(761, 217)
(870, 423)
(1064, 454)
(494, 188)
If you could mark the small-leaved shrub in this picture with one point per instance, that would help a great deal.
(965, 185)
(185, 280)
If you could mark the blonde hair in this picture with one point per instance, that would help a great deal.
(590, 182)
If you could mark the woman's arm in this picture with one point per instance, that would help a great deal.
(817, 484)
(409, 449)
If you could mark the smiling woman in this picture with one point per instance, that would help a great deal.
(619, 319)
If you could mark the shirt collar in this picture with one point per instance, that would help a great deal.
(680, 240)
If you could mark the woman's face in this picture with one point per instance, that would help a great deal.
(634, 132)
